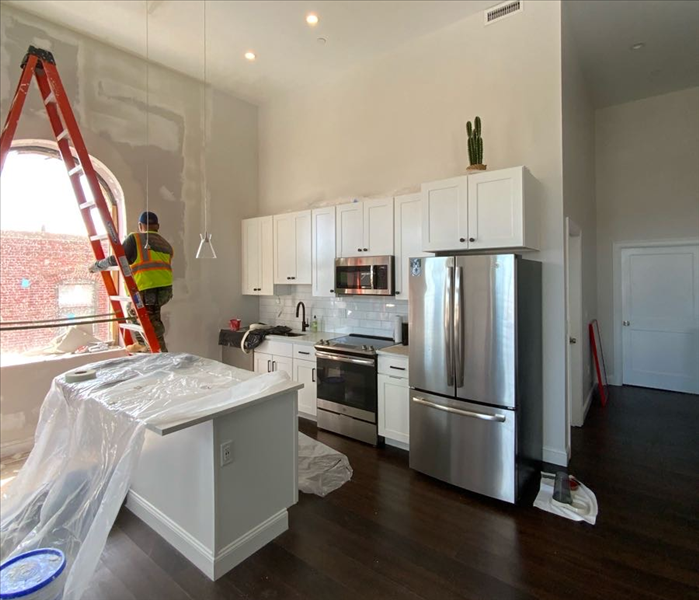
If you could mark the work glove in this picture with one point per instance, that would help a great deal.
(95, 268)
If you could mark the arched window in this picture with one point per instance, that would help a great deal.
(45, 252)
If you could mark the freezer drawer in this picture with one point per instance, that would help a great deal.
(468, 445)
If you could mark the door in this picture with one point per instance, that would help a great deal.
(495, 209)
(445, 215)
(394, 408)
(431, 328)
(266, 251)
(350, 230)
(378, 227)
(467, 445)
(302, 235)
(305, 372)
(263, 363)
(282, 363)
(252, 283)
(577, 335)
(660, 317)
(284, 248)
(323, 252)
(484, 329)
(408, 239)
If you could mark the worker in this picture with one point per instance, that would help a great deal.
(150, 257)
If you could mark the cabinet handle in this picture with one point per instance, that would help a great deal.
(274, 365)
(471, 239)
(313, 374)
(366, 249)
(292, 277)
(462, 239)
(306, 353)
(397, 292)
(359, 249)
(398, 368)
(268, 367)
(332, 291)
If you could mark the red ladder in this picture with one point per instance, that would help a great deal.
(41, 64)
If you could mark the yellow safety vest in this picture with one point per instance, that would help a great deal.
(153, 266)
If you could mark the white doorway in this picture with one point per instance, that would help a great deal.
(575, 329)
(660, 317)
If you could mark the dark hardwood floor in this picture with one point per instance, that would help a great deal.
(393, 533)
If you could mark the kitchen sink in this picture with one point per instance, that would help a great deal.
(294, 334)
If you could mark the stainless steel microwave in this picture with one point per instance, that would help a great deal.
(364, 275)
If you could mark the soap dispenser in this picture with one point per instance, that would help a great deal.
(314, 324)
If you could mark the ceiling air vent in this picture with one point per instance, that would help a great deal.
(506, 9)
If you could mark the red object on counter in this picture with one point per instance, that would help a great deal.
(235, 324)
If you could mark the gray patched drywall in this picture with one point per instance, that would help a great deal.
(107, 91)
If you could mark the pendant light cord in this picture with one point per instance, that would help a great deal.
(204, 133)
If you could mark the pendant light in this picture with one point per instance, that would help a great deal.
(206, 247)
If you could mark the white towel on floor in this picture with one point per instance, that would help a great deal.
(584, 502)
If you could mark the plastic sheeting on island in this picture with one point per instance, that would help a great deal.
(321, 469)
(87, 445)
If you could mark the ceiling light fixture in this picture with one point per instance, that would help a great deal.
(638, 46)
(250, 55)
(312, 19)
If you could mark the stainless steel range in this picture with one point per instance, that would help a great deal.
(347, 389)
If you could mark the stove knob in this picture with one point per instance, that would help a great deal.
(365, 347)
(372, 348)
(322, 342)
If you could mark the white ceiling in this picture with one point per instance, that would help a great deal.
(289, 56)
(604, 32)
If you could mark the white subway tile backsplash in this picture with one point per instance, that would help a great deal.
(367, 316)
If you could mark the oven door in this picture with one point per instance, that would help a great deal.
(347, 385)
(370, 275)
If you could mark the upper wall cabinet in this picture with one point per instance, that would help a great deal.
(408, 235)
(484, 211)
(258, 256)
(292, 248)
(323, 251)
(365, 228)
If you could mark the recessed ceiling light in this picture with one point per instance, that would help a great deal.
(638, 46)
(312, 19)
(250, 55)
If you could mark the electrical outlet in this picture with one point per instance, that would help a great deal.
(226, 453)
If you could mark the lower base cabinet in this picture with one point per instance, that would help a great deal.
(394, 408)
(268, 363)
(305, 372)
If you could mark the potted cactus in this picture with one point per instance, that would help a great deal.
(475, 146)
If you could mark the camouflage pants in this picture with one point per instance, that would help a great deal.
(154, 299)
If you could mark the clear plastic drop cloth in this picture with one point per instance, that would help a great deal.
(87, 443)
(321, 469)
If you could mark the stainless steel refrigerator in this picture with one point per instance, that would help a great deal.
(475, 371)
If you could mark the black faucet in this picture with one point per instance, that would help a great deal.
(304, 323)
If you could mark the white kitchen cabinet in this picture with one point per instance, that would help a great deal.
(262, 363)
(408, 236)
(292, 248)
(394, 408)
(365, 228)
(305, 372)
(501, 210)
(283, 363)
(445, 215)
(490, 210)
(323, 251)
(258, 256)
(269, 363)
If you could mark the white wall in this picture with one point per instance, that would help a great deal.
(107, 91)
(647, 161)
(579, 179)
(400, 120)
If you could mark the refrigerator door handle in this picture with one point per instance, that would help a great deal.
(463, 413)
(458, 327)
(448, 328)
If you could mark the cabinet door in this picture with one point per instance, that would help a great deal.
(378, 227)
(266, 251)
(349, 229)
(302, 234)
(282, 363)
(305, 372)
(445, 215)
(263, 363)
(251, 240)
(495, 209)
(408, 235)
(394, 408)
(323, 259)
(284, 248)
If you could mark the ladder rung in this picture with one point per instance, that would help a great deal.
(112, 269)
(62, 135)
(85, 205)
(120, 298)
(99, 238)
(131, 327)
(74, 170)
(50, 98)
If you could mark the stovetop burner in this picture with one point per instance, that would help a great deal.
(355, 343)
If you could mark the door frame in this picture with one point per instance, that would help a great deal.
(616, 377)
(575, 413)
